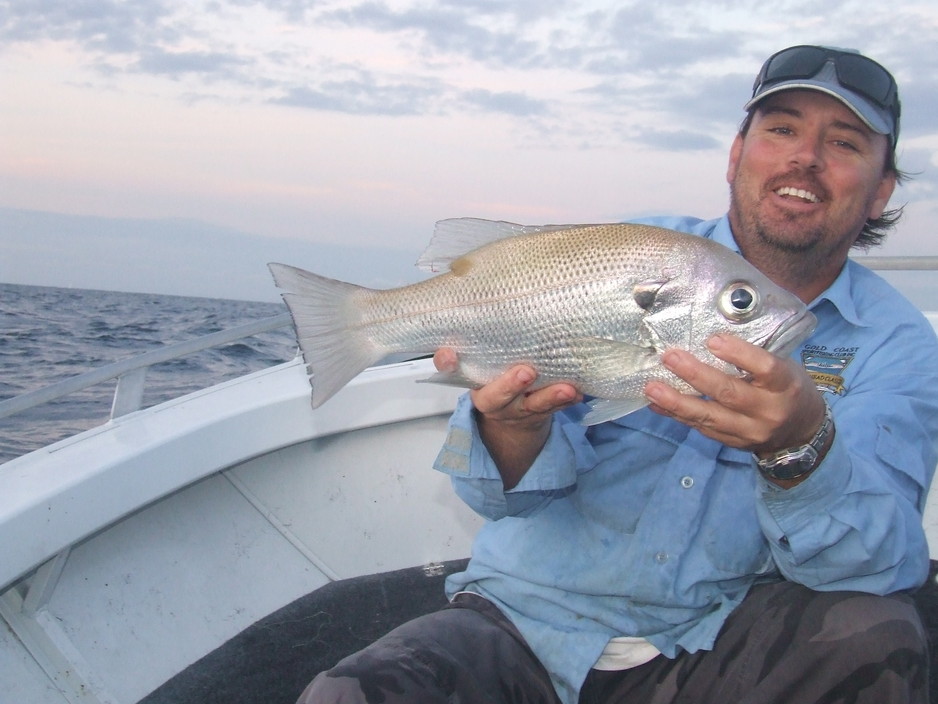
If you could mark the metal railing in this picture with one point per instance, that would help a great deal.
(131, 373)
(899, 263)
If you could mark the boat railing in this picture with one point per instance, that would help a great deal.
(131, 372)
(911, 263)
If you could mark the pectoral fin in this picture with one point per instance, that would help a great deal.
(621, 362)
(615, 359)
(602, 410)
(451, 379)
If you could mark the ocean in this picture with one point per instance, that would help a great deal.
(50, 334)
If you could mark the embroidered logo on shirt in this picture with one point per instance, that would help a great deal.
(826, 366)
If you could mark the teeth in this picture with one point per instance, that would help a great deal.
(799, 193)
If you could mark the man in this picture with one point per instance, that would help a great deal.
(752, 544)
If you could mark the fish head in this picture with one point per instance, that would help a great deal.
(715, 290)
(761, 312)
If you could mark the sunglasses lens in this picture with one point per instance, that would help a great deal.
(864, 76)
(799, 62)
(854, 71)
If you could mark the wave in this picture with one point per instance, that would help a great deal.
(48, 334)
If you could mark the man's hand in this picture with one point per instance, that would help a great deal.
(513, 421)
(776, 407)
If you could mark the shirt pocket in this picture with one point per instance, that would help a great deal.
(729, 535)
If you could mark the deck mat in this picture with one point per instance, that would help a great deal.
(274, 660)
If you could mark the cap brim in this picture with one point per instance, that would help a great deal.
(871, 116)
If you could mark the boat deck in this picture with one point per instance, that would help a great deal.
(274, 660)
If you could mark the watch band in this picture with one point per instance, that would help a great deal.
(794, 462)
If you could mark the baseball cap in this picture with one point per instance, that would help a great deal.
(860, 83)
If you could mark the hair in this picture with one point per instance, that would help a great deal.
(875, 230)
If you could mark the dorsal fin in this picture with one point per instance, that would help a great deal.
(455, 237)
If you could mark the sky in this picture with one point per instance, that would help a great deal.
(176, 147)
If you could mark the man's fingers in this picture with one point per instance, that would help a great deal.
(510, 398)
(761, 366)
(446, 360)
(709, 381)
(503, 391)
(551, 398)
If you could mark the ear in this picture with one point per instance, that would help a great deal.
(736, 152)
(882, 195)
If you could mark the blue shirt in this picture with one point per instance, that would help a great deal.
(644, 527)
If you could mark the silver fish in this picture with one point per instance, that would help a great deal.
(593, 305)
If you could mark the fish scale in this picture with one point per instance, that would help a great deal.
(593, 305)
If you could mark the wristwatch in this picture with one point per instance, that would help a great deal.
(794, 462)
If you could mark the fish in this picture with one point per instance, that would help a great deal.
(591, 305)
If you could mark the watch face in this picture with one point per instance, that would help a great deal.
(796, 461)
(791, 464)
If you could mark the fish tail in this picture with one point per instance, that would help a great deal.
(324, 312)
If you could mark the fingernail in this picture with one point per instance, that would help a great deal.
(671, 358)
(653, 393)
(715, 342)
(525, 376)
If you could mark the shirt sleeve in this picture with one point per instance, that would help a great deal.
(478, 483)
(856, 522)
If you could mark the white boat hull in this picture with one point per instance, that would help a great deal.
(228, 505)
(135, 549)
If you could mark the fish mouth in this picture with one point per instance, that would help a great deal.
(790, 333)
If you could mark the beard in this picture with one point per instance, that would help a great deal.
(794, 239)
(783, 233)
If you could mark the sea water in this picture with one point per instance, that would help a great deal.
(51, 334)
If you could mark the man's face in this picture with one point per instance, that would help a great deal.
(806, 176)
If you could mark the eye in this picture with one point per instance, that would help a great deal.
(844, 144)
(739, 301)
(742, 299)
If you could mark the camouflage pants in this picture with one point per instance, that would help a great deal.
(785, 643)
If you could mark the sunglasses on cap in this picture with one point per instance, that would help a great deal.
(855, 72)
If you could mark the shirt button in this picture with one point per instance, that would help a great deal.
(661, 557)
(687, 482)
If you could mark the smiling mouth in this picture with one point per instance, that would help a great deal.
(801, 193)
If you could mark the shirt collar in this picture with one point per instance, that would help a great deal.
(723, 234)
(839, 294)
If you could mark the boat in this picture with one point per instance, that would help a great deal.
(227, 545)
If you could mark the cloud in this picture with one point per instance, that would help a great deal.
(507, 102)
(154, 60)
(444, 30)
(364, 93)
(677, 140)
(545, 76)
(104, 25)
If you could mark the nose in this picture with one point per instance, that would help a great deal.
(807, 153)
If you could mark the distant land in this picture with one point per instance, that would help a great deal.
(176, 256)
(193, 258)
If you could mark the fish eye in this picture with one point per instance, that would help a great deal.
(739, 301)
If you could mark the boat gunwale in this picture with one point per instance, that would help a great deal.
(54, 498)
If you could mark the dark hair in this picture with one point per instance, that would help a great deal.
(875, 230)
